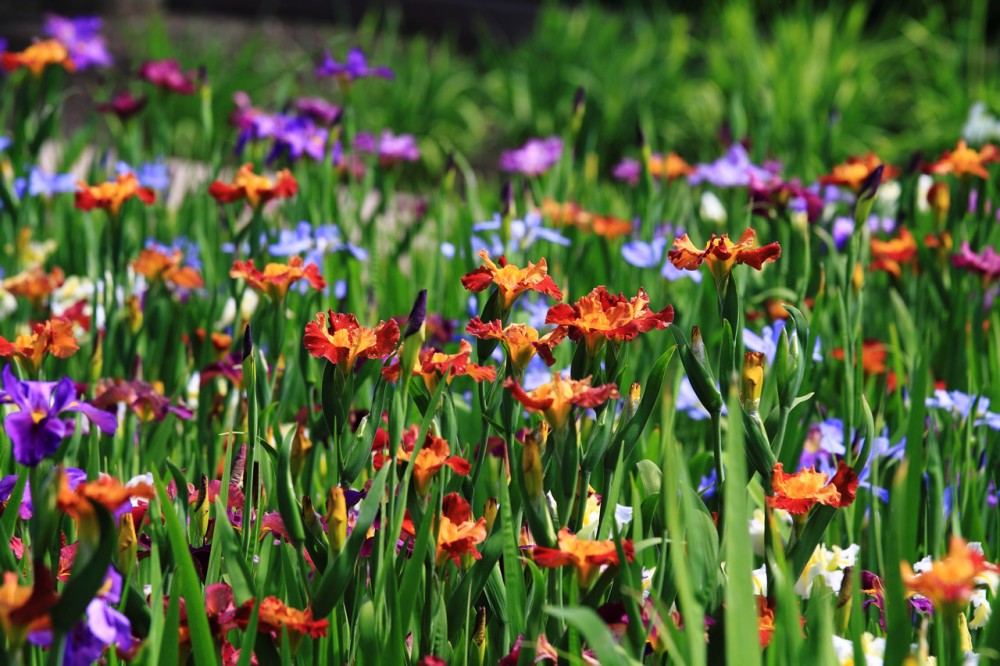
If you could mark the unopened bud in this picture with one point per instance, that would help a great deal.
(490, 513)
(698, 346)
(128, 543)
(752, 380)
(531, 468)
(866, 196)
(310, 520)
(631, 404)
(336, 519)
(201, 510)
(939, 199)
(134, 309)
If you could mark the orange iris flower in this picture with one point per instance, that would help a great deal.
(570, 213)
(275, 615)
(873, 356)
(343, 341)
(458, 534)
(587, 556)
(670, 167)
(434, 454)
(950, 581)
(855, 170)
(257, 190)
(275, 279)
(601, 315)
(521, 341)
(54, 336)
(722, 254)
(797, 493)
(965, 161)
(25, 608)
(510, 280)
(37, 57)
(106, 491)
(35, 284)
(889, 255)
(555, 399)
(157, 266)
(765, 621)
(432, 365)
(111, 194)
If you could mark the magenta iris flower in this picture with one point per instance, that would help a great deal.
(355, 66)
(734, 169)
(167, 74)
(36, 429)
(628, 170)
(389, 147)
(82, 38)
(533, 158)
(318, 109)
(985, 263)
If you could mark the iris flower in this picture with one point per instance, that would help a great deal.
(601, 316)
(523, 234)
(390, 148)
(457, 533)
(572, 214)
(556, 399)
(160, 267)
(167, 75)
(434, 365)
(949, 583)
(37, 57)
(985, 263)
(533, 158)
(510, 280)
(125, 105)
(145, 400)
(112, 194)
(257, 190)
(965, 161)
(34, 284)
(856, 170)
(890, 255)
(434, 455)
(82, 38)
(54, 336)
(275, 279)
(722, 254)
(355, 66)
(587, 557)
(521, 341)
(36, 428)
(341, 340)
(734, 169)
(797, 493)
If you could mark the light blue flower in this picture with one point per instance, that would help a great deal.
(40, 183)
(523, 233)
(151, 174)
(767, 342)
(688, 402)
(642, 254)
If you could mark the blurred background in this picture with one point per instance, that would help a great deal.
(811, 82)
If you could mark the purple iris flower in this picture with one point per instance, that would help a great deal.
(74, 477)
(318, 109)
(628, 170)
(168, 75)
(985, 263)
(82, 38)
(103, 626)
(389, 147)
(533, 158)
(707, 484)
(5, 141)
(41, 184)
(36, 428)
(355, 66)
(734, 169)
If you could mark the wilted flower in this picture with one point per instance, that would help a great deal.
(510, 280)
(520, 340)
(856, 170)
(798, 492)
(434, 455)
(37, 57)
(600, 316)
(54, 336)
(722, 254)
(275, 279)
(555, 399)
(112, 194)
(36, 428)
(586, 556)
(355, 66)
(342, 340)
(257, 190)
(533, 158)
(167, 75)
(965, 161)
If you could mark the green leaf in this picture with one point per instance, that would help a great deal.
(88, 575)
(596, 634)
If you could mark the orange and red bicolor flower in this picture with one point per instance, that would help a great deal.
(950, 582)
(601, 316)
(856, 170)
(340, 339)
(965, 161)
(432, 365)
(721, 254)
(274, 616)
(106, 491)
(458, 534)
(510, 280)
(556, 399)
(521, 341)
(797, 493)
(873, 356)
(112, 194)
(586, 556)
(54, 336)
(765, 621)
(570, 213)
(157, 266)
(256, 189)
(35, 284)
(37, 57)
(889, 255)
(669, 167)
(275, 279)
(434, 455)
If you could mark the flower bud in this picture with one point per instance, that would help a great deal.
(490, 513)
(866, 196)
(128, 543)
(531, 467)
(752, 381)
(133, 308)
(202, 506)
(631, 403)
(336, 519)
(699, 372)
(939, 199)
